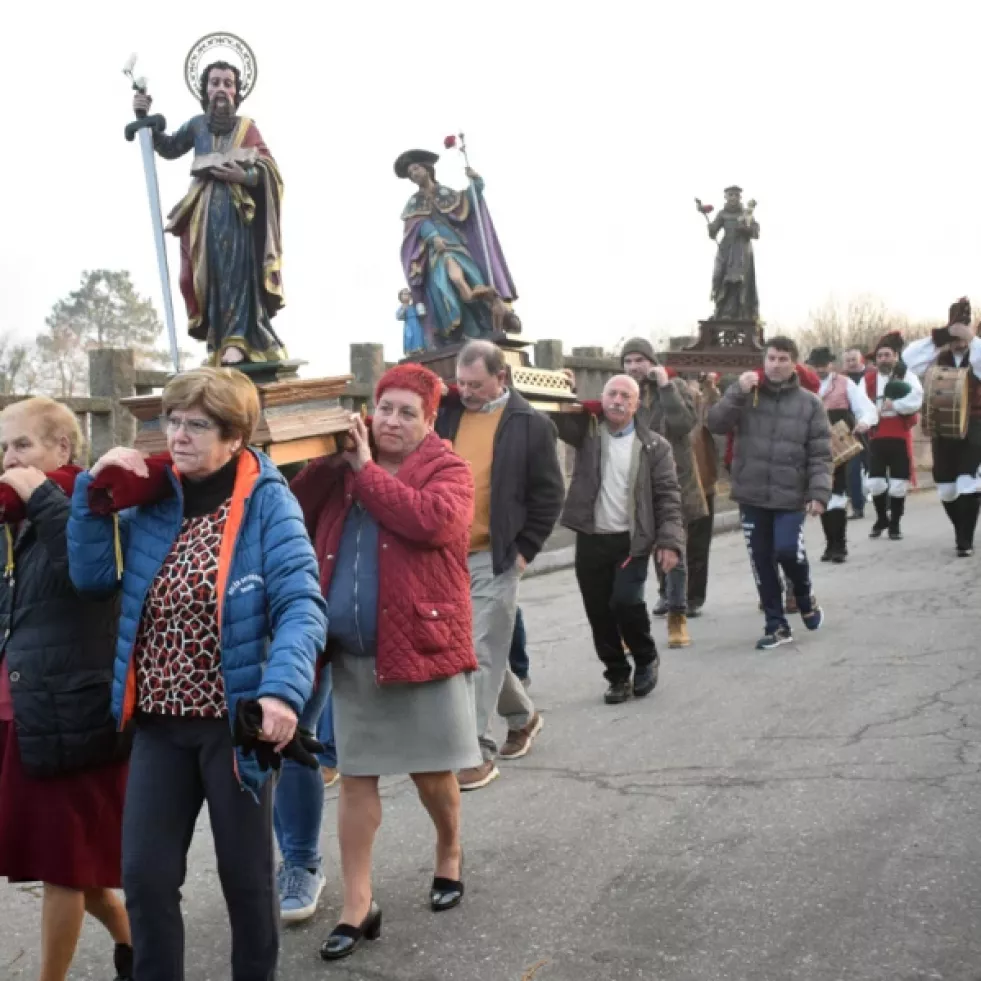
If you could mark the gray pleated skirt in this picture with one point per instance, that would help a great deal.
(386, 730)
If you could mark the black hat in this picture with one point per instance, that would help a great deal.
(820, 357)
(960, 312)
(733, 187)
(413, 157)
(892, 339)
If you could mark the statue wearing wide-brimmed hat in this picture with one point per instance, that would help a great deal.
(451, 256)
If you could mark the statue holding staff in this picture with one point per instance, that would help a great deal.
(734, 276)
(451, 256)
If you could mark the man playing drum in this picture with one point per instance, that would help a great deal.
(898, 395)
(956, 454)
(848, 402)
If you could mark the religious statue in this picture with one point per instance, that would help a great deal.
(451, 256)
(734, 277)
(413, 337)
(229, 220)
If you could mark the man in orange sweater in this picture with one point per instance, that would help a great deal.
(518, 494)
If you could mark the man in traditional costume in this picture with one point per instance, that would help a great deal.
(898, 395)
(956, 462)
(228, 224)
(444, 257)
(848, 402)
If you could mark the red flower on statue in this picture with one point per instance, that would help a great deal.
(449, 142)
(707, 209)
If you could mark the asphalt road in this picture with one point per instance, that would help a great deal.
(810, 814)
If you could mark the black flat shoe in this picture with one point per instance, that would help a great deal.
(645, 679)
(445, 894)
(344, 939)
(618, 692)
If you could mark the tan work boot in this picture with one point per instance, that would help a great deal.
(678, 630)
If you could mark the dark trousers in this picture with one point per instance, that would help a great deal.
(518, 655)
(612, 586)
(699, 543)
(178, 764)
(776, 538)
(856, 487)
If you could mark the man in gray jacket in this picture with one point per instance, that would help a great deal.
(781, 470)
(668, 409)
(624, 503)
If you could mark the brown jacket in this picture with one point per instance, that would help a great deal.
(703, 442)
(656, 520)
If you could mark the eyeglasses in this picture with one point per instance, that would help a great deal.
(193, 427)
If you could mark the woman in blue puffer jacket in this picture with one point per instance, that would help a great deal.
(220, 602)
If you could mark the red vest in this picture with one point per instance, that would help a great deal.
(945, 359)
(891, 427)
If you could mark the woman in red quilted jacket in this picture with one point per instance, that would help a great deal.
(390, 520)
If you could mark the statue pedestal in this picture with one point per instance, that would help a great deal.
(301, 418)
(723, 346)
(546, 390)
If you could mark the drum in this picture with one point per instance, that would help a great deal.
(945, 402)
(844, 444)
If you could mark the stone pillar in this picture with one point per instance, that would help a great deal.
(367, 366)
(112, 375)
(549, 356)
(588, 352)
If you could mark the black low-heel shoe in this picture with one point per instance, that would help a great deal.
(445, 894)
(344, 939)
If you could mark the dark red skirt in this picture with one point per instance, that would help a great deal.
(63, 830)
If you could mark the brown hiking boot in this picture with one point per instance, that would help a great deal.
(475, 777)
(678, 630)
(519, 740)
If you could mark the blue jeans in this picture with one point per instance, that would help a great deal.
(776, 538)
(856, 491)
(518, 655)
(299, 804)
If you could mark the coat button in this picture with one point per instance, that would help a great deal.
(384, 547)
(14, 677)
(330, 558)
(435, 613)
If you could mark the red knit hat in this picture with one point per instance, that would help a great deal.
(413, 378)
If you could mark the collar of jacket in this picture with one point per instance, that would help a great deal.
(791, 383)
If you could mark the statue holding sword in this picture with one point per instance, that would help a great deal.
(229, 220)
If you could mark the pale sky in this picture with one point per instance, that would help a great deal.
(853, 124)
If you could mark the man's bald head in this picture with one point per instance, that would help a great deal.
(621, 394)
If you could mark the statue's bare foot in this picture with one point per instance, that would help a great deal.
(233, 355)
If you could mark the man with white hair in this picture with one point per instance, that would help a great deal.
(624, 503)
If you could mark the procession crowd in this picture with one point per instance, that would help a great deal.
(179, 629)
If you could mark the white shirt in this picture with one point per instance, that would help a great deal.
(858, 401)
(905, 406)
(921, 354)
(612, 509)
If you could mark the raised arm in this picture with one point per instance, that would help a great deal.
(680, 415)
(92, 544)
(723, 417)
(919, 355)
(431, 515)
(170, 146)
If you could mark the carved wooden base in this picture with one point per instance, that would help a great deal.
(301, 419)
(723, 346)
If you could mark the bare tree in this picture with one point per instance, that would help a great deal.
(18, 366)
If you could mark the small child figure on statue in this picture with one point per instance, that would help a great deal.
(411, 313)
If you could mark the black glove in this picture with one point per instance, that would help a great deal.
(248, 724)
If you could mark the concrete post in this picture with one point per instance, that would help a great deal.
(112, 375)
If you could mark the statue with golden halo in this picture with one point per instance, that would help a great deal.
(229, 220)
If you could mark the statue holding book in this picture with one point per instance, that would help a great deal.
(229, 220)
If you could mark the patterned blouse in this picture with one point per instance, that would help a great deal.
(178, 647)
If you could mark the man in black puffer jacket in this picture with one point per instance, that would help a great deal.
(781, 468)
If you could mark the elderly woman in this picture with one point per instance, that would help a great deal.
(220, 604)
(61, 779)
(391, 531)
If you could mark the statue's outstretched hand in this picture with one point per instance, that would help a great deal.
(142, 102)
(438, 244)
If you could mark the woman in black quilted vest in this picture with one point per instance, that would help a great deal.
(61, 776)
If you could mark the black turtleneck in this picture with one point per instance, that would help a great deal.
(209, 493)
